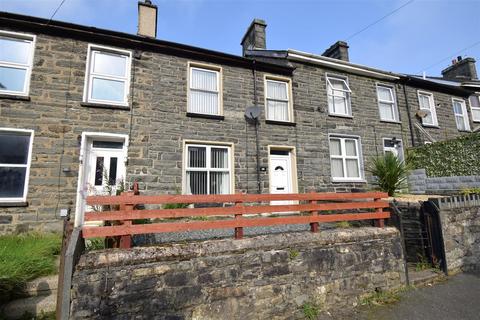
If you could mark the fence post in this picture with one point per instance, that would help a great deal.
(126, 240)
(238, 230)
(380, 223)
(314, 225)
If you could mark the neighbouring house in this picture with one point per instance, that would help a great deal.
(83, 110)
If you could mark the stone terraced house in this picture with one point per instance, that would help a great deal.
(83, 110)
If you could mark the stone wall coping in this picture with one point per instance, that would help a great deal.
(175, 251)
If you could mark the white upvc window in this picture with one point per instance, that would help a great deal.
(208, 169)
(338, 94)
(393, 146)
(386, 103)
(16, 59)
(427, 104)
(461, 115)
(475, 108)
(204, 90)
(345, 158)
(15, 159)
(277, 100)
(107, 79)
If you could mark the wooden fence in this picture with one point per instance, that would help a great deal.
(307, 208)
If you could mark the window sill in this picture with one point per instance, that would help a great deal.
(205, 116)
(14, 97)
(13, 204)
(282, 123)
(104, 106)
(430, 126)
(349, 181)
(340, 116)
(391, 121)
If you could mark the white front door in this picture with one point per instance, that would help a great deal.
(105, 167)
(102, 168)
(280, 176)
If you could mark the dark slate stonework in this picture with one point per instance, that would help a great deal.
(157, 125)
(253, 278)
(460, 218)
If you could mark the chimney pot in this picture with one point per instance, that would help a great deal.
(339, 50)
(147, 19)
(461, 69)
(255, 37)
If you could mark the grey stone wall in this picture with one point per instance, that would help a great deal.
(419, 183)
(460, 218)
(254, 278)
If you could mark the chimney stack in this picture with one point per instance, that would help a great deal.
(147, 19)
(339, 50)
(255, 37)
(461, 69)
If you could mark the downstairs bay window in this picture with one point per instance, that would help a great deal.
(15, 158)
(208, 169)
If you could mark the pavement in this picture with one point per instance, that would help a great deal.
(458, 298)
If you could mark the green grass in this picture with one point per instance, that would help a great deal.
(26, 257)
(310, 310)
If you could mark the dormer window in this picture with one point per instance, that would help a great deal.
(16, 57)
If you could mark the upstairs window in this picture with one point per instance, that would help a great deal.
(208, 169)
(475, 108)
(107, 76)
(461, 116)
(345, 158)
(338, 93)
(386, 103)
(204, 91)
(15, 155)
(278, 100)
(16, 57)
(427, 105)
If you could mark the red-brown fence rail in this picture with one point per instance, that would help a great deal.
(353, 206)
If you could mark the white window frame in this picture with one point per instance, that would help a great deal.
(344, 79)
(209, 68)
(89, 75)
(27, 165)
(401, 153)
(344, 157)
(28, 67)
(392, 103)
(208, 146)
(288, 83)
(464, 114)
(472, 108)
(432, 108)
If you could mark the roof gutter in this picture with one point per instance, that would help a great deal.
(357, 69)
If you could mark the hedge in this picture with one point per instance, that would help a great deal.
(456, 157)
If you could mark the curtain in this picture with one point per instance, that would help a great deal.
(204, 92)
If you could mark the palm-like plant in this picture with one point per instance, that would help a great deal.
(390, 171)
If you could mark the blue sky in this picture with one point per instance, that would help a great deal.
(417, 36)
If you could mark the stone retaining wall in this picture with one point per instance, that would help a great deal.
(419, 183)
(261, 277)
(460, 218)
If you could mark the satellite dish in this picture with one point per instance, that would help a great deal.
(252, 113)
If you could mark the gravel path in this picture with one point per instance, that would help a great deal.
(169, 237)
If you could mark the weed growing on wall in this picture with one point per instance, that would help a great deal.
(456, 157)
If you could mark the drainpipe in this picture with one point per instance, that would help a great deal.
(254, 72)
(410, 124)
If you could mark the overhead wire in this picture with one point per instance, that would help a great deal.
(377, 21)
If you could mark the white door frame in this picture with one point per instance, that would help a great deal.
(81, 193)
